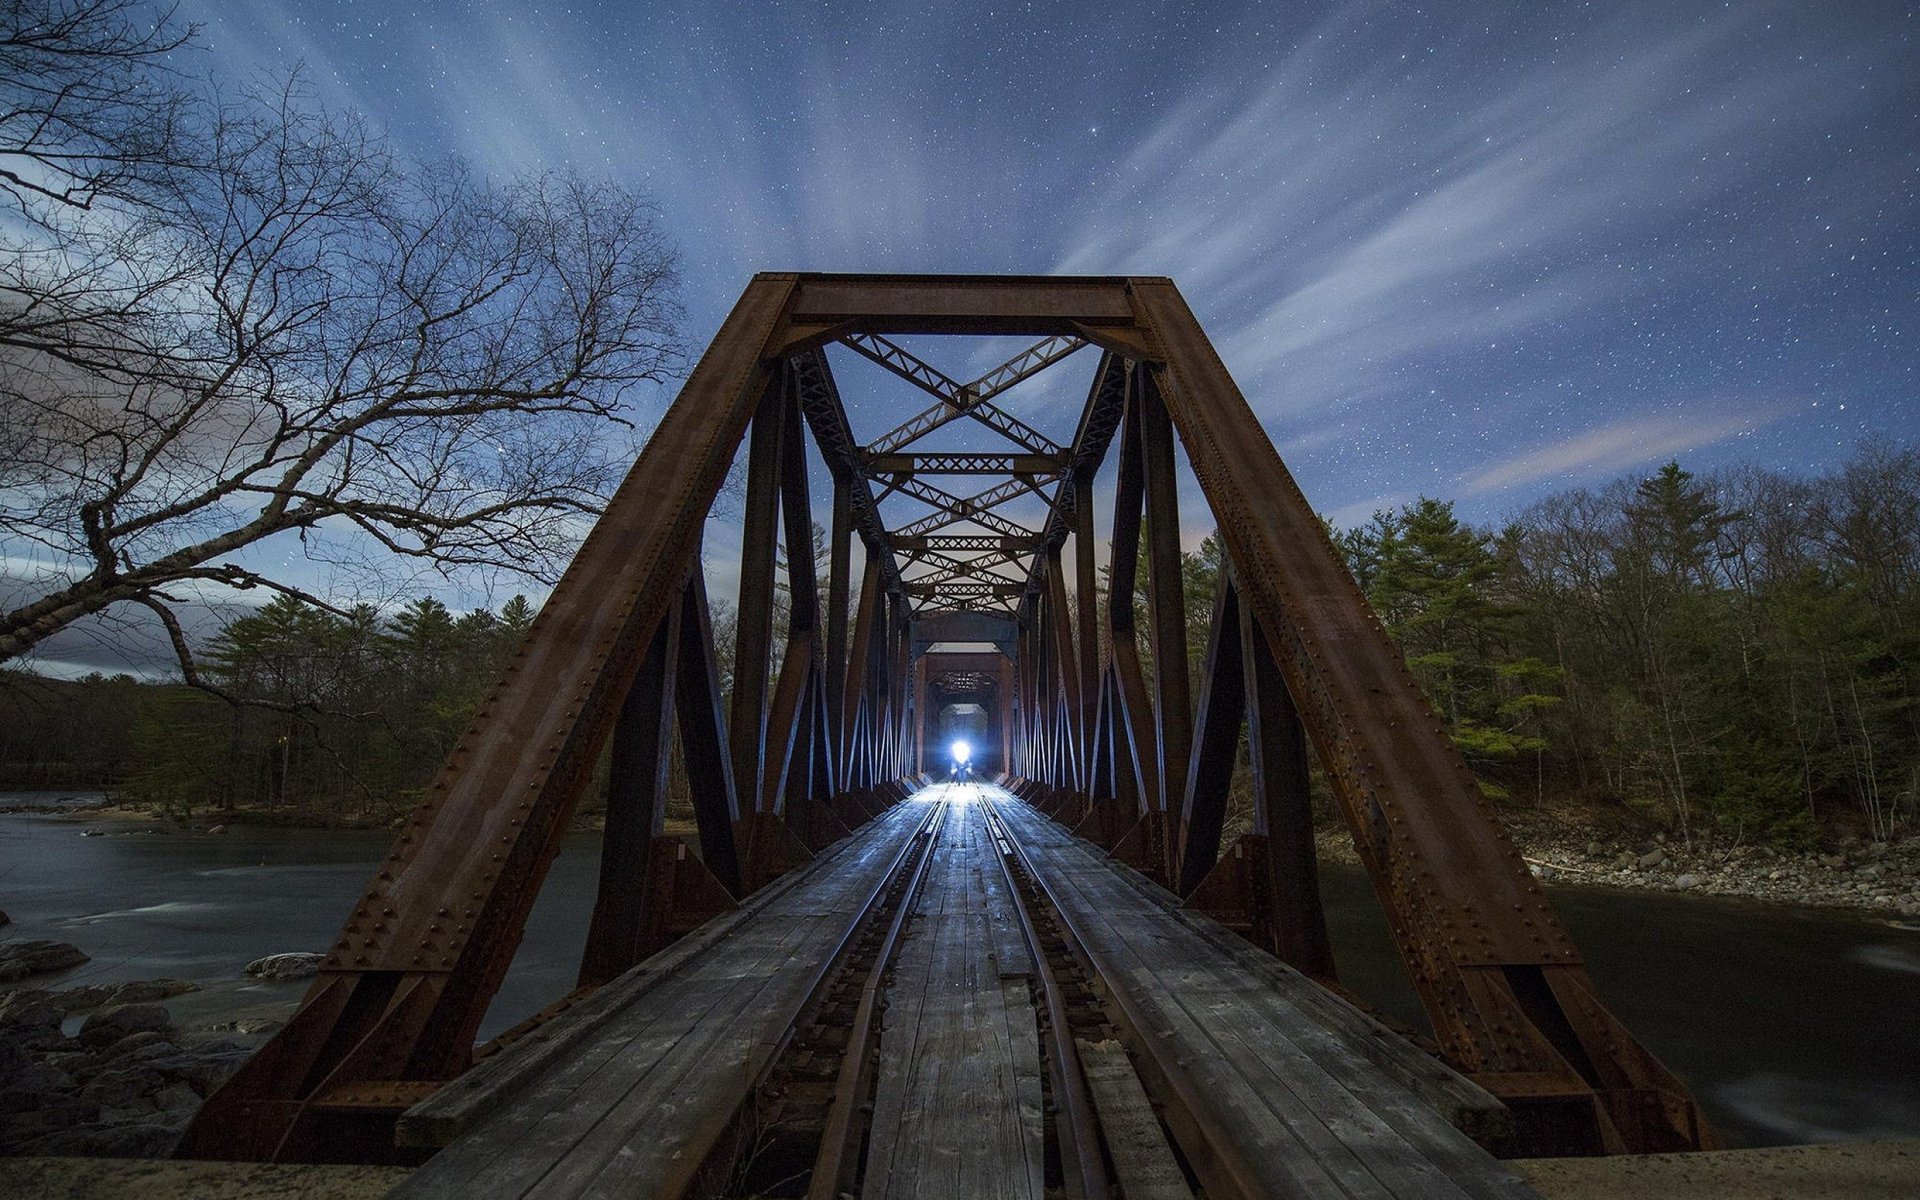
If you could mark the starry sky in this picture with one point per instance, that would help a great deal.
(1472, 250)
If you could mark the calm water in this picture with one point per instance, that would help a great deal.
(1793, 1025)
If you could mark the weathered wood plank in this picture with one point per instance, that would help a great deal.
(957, 1105)
(608, 1102)
(458, 1105)
(1257, 1048)
(1142, 1160)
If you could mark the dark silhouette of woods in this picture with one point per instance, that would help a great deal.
(346, 716)
(1731, 655)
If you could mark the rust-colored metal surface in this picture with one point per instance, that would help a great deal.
(837, 684)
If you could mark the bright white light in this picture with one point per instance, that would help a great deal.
(962, 752)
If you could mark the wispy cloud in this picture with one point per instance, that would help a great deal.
(1623, 444)
(1402, 210)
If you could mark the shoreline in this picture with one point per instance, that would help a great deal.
(1562, 844)
(1569, 845)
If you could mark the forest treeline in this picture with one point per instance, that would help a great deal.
(1734, 652)
(338, 715)
(1731, 653)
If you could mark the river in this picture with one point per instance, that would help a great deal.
(1792, 1024)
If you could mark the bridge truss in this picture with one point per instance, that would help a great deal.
(827, 717)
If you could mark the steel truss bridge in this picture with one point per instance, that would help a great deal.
(1059, 976)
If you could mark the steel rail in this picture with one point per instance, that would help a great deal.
(701, 1145)
(1223, 1167)
(1078, 1129)
(839, 1155)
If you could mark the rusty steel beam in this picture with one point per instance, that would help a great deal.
(965, 464)
(963, 399)
(978, 508)
(966, 591)
(404, 987)
(958, 304)
(402, 991)
(826, 417)
(955, 543)
(1505, 987)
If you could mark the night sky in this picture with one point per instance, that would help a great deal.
(1477, 251)
(1481, 252)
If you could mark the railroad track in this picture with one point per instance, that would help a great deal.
(808, 1128)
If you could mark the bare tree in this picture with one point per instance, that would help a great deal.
(295, 333)
(87, 112)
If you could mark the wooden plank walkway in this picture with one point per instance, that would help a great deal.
(1295, 1105)
(607, 1100)
(957, 1103)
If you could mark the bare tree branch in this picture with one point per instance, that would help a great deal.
(267, 325)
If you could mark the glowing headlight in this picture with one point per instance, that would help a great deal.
(961, 752)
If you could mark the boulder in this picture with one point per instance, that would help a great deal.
(18, 960)
(24, 1000)
(1650, 859)
(96, 995)
(35, 1025)
(203, 1067)
(1687, 882)
(15, 1061)
(137, 1041)
(124, 1088)
(53, 1114)
(298, 964)
(109, 1025)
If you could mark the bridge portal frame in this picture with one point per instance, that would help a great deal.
(622, 653)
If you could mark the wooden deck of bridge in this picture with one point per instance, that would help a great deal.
(1297, 1092)
(603, 1100)
(957, 1105)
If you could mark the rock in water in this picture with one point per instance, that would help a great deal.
(109, 1025)
(21, 959)
(298, 964)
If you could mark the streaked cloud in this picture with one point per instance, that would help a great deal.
(1620, 445)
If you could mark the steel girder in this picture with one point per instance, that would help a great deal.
(802, 747)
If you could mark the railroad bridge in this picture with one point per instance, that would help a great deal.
(1063, 967)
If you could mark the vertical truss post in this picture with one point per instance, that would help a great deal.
(1282, 811)
(636, 811)
(1087, 607)
(1166, 593)
(920, 725)
(754, 619)
(1136, 736)
(839, 578)
(703, 737)
(1223, 696)
(1067, 664)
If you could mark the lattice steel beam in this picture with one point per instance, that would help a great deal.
(963, 400)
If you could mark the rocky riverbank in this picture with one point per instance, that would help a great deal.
(124, 1083)
(1597, 848)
